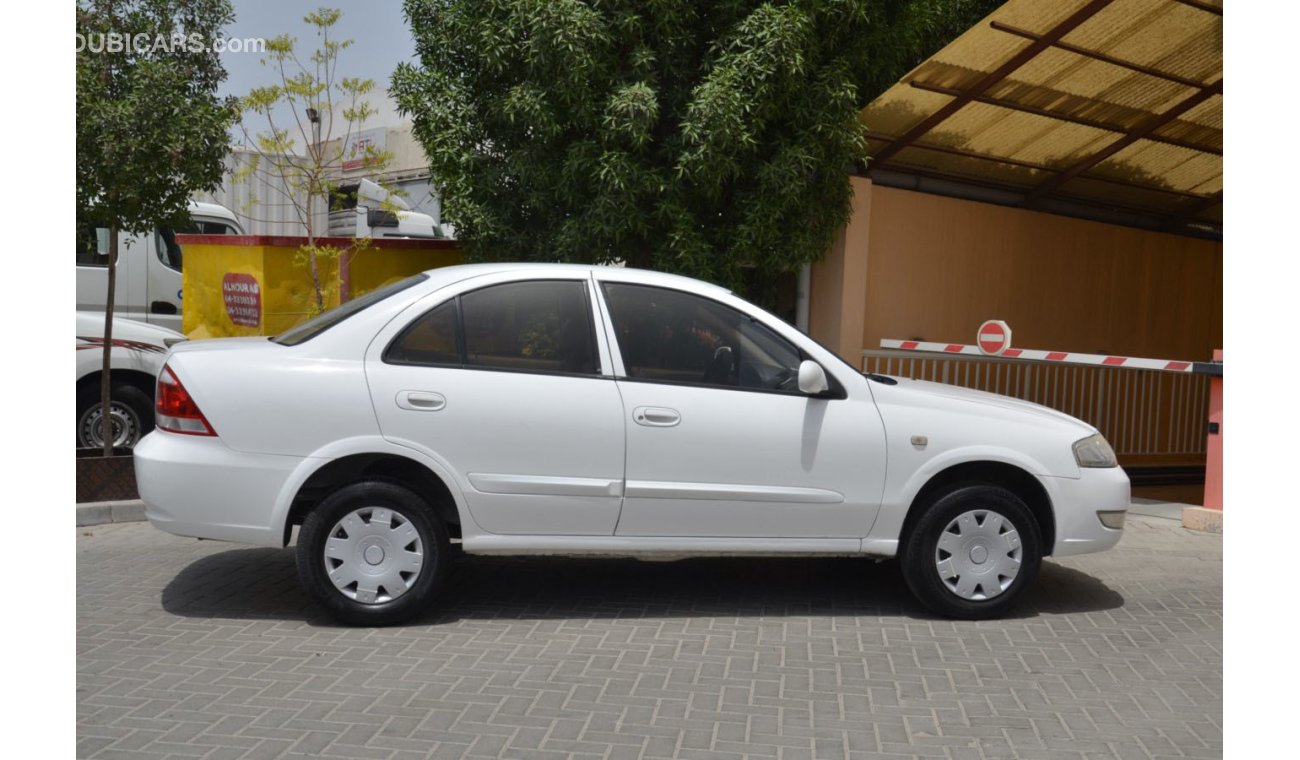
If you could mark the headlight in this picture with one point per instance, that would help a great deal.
(1093, 451)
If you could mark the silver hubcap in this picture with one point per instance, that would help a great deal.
(373, 555)
(978, 556)
(126, 427)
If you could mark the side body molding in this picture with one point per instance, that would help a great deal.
(646, 489)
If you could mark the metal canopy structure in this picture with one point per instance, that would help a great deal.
(1110, 109)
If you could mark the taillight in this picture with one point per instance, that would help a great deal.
(175, 410)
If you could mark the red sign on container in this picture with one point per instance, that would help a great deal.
(243, 297)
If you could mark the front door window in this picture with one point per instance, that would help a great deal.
(675, 337)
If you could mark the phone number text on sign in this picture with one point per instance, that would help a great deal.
(243, 297)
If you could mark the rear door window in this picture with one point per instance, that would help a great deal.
(541, 326)
(433, 339)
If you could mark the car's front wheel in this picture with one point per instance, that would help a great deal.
(972, 552)
(372, 553)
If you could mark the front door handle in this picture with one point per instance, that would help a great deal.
(421, 401)
(656, 416)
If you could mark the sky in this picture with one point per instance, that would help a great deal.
(381, 40)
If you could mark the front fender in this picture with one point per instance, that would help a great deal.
(901, 492)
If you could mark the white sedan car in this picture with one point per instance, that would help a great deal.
(560, 409)
(135, 359)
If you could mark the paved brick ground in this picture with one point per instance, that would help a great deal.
(190, 649)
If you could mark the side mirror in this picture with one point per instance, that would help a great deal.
(812, 378)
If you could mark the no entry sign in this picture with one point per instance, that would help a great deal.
(994, 337)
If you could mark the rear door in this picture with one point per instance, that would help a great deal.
(506, 384)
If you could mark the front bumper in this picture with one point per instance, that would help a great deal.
(197, 486)
(1076, 502)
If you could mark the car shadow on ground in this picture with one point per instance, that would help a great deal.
(263, 583)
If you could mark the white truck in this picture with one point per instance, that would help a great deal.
(148, 266)
(365, 209)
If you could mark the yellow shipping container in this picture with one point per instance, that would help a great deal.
(261, 285)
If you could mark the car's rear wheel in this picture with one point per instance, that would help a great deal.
(131, 415)
(972, 553)
(372, 553)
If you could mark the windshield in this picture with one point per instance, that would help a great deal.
(319, 324)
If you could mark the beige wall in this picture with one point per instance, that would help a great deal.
(837, 299)
(914, 265)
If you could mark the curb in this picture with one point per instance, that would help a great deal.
(104, 512)
(1202, 519)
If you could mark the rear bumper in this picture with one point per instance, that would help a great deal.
(1077, 501)
(197, 486)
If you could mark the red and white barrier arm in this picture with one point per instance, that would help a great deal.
(1059, 357)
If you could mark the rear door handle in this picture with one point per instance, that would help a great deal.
(656, 416)
(421, 401)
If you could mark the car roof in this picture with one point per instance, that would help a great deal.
(444, 276)
(461, 277)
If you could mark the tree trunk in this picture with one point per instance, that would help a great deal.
(106, 379)
(311, 253)
(315, 275)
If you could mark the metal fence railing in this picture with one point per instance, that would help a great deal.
(1144, 414)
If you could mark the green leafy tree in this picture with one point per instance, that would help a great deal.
(151, 131)
(711, 139)
(303, 155)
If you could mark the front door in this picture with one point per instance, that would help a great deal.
(720, 443)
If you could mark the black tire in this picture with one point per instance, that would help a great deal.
(388, 606)
(131, 405)
(920, 553)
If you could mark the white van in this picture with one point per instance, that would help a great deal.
(148, 266)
